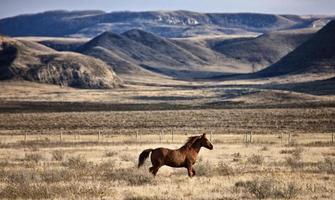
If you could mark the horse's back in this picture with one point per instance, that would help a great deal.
(170, 157)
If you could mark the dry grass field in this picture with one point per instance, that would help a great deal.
(82, 167)
(93, 155)
(91, 152)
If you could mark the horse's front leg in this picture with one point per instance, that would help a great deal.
(193, 171)
(190, 170)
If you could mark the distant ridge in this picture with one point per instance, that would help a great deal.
(316, 55)
(266, 49)
(163, 23)
(139, 52)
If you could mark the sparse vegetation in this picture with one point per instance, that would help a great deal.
(58, 155)
(84, 173)
(295, 160)
(266, 187)
(111, 153)
(255, 159)
(35, 157)
(327, 165)
(77, 163)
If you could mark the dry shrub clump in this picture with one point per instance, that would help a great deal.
(327, 165)
(58, 155)
(129, 176)
(295, 160)
(77, 163)
(236, 157)
(223, 169)
(111, 153)
(205, 168)
(267, 187)
(26, 191)
(265, 148)
(34, 157)
(255, 159)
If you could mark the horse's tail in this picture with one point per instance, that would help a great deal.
(143, 156)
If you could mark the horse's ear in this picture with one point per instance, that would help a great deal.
(204, 135)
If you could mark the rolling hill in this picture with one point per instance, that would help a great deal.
(139, 52)
(315, 56)
(25, 60)
(163, 23)
(264, 50)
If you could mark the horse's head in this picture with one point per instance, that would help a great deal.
(205, 142)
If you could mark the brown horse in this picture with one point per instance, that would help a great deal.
(185, 156)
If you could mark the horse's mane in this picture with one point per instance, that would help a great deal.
(190, 141)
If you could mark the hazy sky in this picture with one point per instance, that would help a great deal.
(15, 7)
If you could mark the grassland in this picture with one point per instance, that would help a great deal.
(73, 169)
(62, 143)
(93, 155)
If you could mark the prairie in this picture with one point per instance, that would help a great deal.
(43, 167)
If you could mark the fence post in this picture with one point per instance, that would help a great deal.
(281, 138)
(25, 137)
(250, 139)
(172, 135)
(210, 137)
(61, 136)
(160, 137)
(289, 138)
(137, 136)
(332, 137)
(99, 135)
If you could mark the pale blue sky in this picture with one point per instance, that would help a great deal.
(327, 7)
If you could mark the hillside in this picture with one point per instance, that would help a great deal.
(163, 23)
(138, 52)
(25, 60)
(125, 55)
(264, 50)
(315, 56)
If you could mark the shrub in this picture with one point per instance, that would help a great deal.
(297, 153)
(111, 153)
(224, 169)
(127, 158)
(26, 191)
(58, 155)
(35, 157)
(264, 148)
(286, 151)
(255, 159)
(57, 175)
(328, 165)
(104, 167)
(203, 168)
(23, 176)
(295, 160)
(268, 187)
(78, 162)
(132, 176)
(236, 157)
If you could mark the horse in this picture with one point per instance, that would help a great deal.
(185, 156)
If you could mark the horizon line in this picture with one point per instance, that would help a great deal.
(138, 11)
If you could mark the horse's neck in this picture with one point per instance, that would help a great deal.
(196, 146)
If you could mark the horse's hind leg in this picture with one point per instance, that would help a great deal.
(154, 169)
